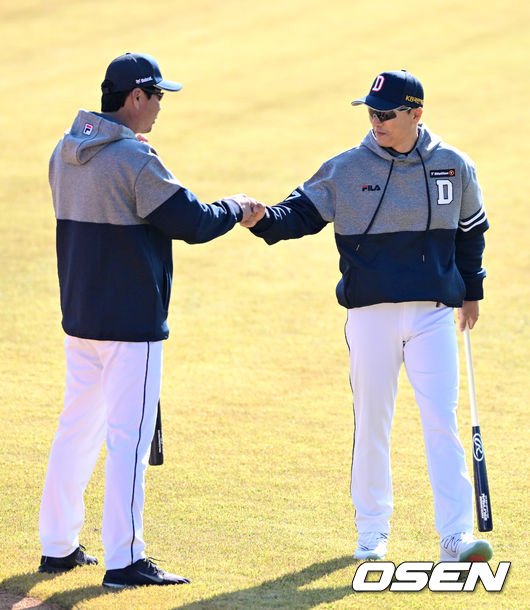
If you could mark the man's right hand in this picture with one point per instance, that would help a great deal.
(253, 210)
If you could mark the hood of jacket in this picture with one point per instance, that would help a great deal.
(90, 133)
(426, 144)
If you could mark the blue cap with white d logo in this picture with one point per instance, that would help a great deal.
(390, 90)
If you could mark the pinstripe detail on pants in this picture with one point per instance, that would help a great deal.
(136, 454)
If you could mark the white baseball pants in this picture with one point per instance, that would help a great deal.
(112, 392)
(420, 335)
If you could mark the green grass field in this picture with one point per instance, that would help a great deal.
(253, 500)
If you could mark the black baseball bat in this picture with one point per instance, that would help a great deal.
(482, 491)
(480, 474)
(156, 457)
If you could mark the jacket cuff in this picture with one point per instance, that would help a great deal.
(262, 225)
(236, 208)
(474, 289)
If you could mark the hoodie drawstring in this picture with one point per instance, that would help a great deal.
(426, 232)
(429, 208)
(377, 208)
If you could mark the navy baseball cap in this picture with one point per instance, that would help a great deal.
(135, 70)
(390, 90)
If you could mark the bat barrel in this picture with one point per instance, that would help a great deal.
(156, 455)
(482, 492)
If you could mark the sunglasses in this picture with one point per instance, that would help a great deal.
(154, 91)
(386, 115)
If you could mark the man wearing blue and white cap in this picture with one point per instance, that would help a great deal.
(409, 223)
(118, 208)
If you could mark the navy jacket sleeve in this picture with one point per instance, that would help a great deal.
(293, 218)
(184, 217)
(469, 247)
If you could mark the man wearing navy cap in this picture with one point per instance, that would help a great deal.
(409, 223)
(118, 208)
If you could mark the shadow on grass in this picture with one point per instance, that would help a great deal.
(283, 592)
(22, 584)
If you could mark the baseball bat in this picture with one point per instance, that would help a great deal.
(156, 457)
(480, 474)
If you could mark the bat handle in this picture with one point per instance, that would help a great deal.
(471, 378)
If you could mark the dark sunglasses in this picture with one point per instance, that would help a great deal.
(154, 91)
(386, 115)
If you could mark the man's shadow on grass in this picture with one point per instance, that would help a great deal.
(283, 592)
(22, 584)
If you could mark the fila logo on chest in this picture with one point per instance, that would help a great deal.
(370, 187)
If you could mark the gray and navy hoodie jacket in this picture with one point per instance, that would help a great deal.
(117, 210)
(407, 227)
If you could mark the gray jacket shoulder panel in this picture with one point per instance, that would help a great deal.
(100, 172)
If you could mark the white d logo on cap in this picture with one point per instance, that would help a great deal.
(378, 83)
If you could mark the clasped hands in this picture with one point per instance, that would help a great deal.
(253, 210)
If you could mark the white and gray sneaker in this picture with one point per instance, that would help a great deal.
(464, 547)
(371, 545)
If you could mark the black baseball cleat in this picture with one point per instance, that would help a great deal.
(53, 565)
(140, 573)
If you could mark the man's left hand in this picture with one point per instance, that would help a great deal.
(467, 314)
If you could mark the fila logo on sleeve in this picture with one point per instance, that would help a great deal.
(88, 129)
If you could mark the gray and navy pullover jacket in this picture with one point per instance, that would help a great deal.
(407, 227)
(117, 210)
